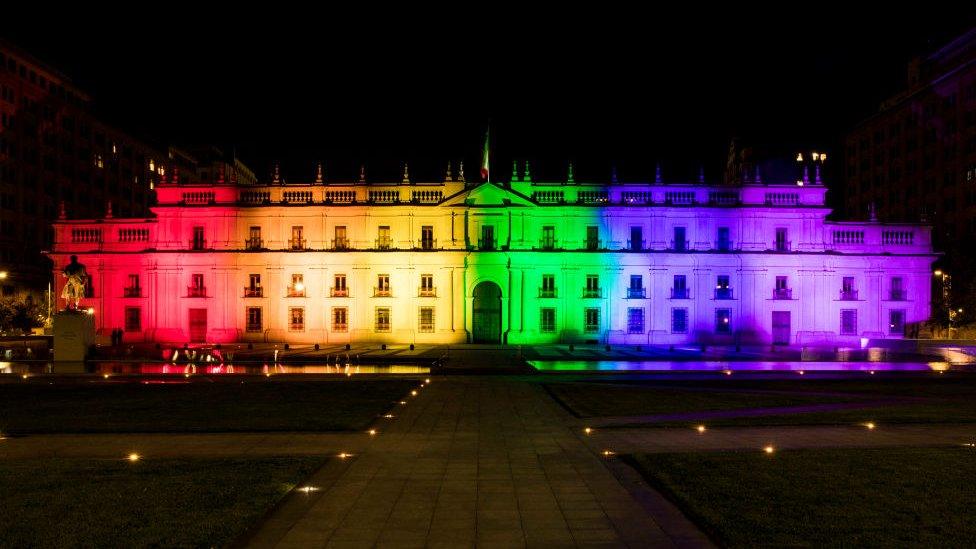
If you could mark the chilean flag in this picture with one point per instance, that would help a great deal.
(484, 158)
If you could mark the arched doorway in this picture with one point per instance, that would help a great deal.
(486, 313)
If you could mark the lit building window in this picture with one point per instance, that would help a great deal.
(297, 286)
(382, 286)
(254, 319)
(679, 320)
(296, 316)
(383, 321)
(635, 320)
(896, 322)
(591, 318)
(848, 321)
(340, 319)
(427, 286)
(426, 320)
(339, 288)
(133, 319)
(547, 320)
(723, 321)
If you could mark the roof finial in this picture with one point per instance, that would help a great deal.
(816, 172)
(806, 175)
(362, 173)
(515, 172)
(220, 174)
(319, 176)
(924, 215)
(570, 176)
(276, 175)
(406, 173)
(613, 173)
(176, 175)
(657, 174)
(62, 211)
(758, 178)
(527, 175)
(461, 172)
(701, 174)
(872, 215)
(108, 210)
(447, 177)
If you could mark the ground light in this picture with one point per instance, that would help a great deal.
(413, 393)
(105, 376)
(607, 453)
(388, 416)
(588, 430)
(308, 489)
(769, 449)
(372, 432)
(344, 455)
(700, 428)
(427, 380)
(870, 425)
(133, 457)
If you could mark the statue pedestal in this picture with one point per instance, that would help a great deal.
(74, 333)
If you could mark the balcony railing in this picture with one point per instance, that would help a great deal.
(636, 245)
(427, 243)
(255, 291)
(382, 292)
(132, 292)
(592, 292)
(196, 291)
(723, 246)
(428, 292)
(198, 244)
(340, 327)
(782, 293)
(487, 243)
(592, 244)
(848, 295)
(680, 246)
(294, 291)
(547, 292)
(253, 243)
(782, 245)
(296, 243)
(547, 244)
(636, 293)
(898, 295)
(384, 243)
(723, 293)
(340, 244)
(338, 292)
(680, 293)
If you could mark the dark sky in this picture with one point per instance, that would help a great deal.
(382, 87)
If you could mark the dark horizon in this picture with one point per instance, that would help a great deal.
(620, 95)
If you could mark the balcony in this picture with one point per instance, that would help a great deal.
(547, 292)
(723, 293)
(196, 291)
(488, 243)
(680, 246)
(253, 243)
(782, 245)
(848, 295)
(782, 293)
(132, 292)
(340, 244)
(338, 292)
(198, 244)
(296, 244)
(680, 293)
(428, 292)
(636, 245)
(636, 293)
(297, 290)
(547, 244)
(384, 243)
(723, 246)
(253, 291)
(340, 327)
(427, 244)
(382, 292)
(898, 295)
(592, 244)
(592, 292)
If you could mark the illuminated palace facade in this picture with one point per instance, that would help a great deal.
(518, 262)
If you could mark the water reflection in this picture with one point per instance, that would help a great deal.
(209, 368)
(730, 366)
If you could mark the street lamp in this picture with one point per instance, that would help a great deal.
(3, 275)
(950, 314)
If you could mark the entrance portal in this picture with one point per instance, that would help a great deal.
(781, 328)
(486, 313)
(198, 325)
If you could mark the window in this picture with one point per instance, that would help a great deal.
(679, 290)
(254, 240)
(427, 286)
(383, 241)
(592, 286)
(782, 289)
(383, 319)
(548, 237)
(848, 321)
(426, 320)
(592, 237)
(897, 289)
(253, 288)
(340, 319)
(679, 244)
(635, 320)
(296, 316)
(724, 243)
(548, 286)
(297, 240)
(198, 242)
(723, 321)
(782, 244)
(591, 317)
(383, 285)
(254, 319)
(848, 290)
(636, 242)
(197, 289)
(487, 241)
(679, 320)
(297, 286)
(722, 289)
(896, 322)
(636, 289)
(427, 237)
(547, 320)
(340, 242)
(339, 286)
(133, 289)
(133, 319)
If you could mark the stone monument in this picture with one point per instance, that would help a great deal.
(74, 328)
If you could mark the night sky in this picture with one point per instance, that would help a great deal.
(597, 88)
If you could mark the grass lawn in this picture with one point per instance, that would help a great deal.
(838, 497)
(222, 406)
(114, 503)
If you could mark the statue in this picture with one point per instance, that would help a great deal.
(74, 288)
